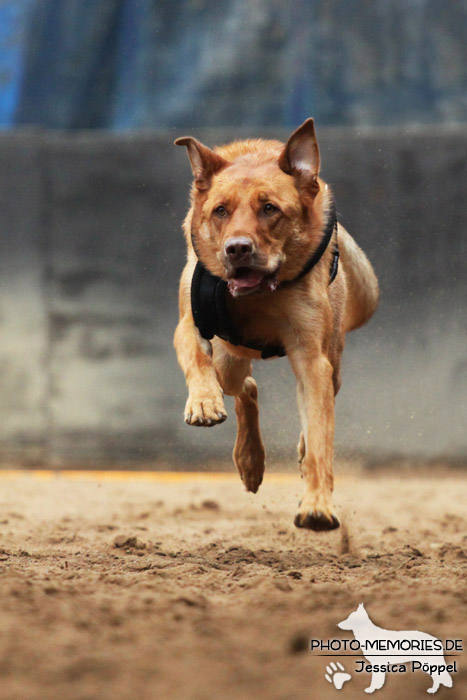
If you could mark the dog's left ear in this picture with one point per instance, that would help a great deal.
(204, 162)
(300, 157)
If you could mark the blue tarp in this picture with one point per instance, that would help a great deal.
(132, 64)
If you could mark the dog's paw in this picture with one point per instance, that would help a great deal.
(316, 512)
(252, 479)
(205, 411)
(316, 520)
(250, 462)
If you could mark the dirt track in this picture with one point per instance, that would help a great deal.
(212, 593)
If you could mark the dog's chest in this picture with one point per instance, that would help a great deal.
(271, 318)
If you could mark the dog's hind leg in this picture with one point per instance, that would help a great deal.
(435, 685)
(438, 679)
(249, 455)
(301, 450)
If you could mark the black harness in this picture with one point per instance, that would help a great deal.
(209, 296)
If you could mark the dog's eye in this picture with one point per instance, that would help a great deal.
(270, 209)
(220, 211)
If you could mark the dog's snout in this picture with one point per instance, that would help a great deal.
(238, 248)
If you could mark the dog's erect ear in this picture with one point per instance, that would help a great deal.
(204, 162)
(300, 157)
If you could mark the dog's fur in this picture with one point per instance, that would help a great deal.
(269, 195)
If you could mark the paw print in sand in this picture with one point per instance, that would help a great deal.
(337, 675)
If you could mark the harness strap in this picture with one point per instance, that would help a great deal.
(331, 226)
(335, 259)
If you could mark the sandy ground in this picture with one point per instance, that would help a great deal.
(152, 586)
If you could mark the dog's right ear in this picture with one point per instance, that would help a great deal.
(204, 162)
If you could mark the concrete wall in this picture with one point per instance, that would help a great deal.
(90, 254)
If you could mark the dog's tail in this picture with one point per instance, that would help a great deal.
(362, 285)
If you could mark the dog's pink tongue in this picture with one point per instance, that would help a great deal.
(247, 280)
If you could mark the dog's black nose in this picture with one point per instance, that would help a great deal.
(238, 248)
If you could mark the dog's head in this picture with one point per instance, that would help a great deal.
(257, 208)
(355, 620)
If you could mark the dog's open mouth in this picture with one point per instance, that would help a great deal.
(246, 280)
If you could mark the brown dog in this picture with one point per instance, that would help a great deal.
(261, 281)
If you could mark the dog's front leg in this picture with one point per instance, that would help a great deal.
(315, 393)
(377, 681)
(205, 404)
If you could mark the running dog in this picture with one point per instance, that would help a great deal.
(269, 273)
